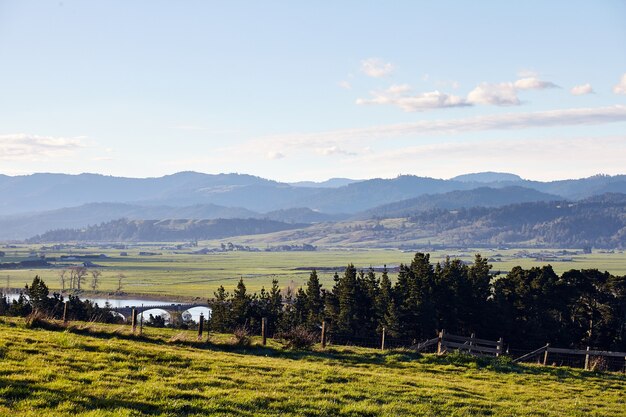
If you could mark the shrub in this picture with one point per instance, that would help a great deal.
(299, 338)
(241, 336)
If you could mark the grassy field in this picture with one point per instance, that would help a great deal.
(171, 274)
(102, 370)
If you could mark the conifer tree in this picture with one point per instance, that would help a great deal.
(220, 311)
(240, 304)
(314, 302)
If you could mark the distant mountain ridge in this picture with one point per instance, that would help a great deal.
(33, 204)
(41, 192)
(477, 197)
(488, 177)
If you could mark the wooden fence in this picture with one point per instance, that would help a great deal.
(472, 345)
(548, 355)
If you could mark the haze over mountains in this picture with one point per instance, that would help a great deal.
(34, 204)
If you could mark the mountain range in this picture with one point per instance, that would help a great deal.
(34, 204)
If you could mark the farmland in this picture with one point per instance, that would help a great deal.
(171, 273)
(102, 370)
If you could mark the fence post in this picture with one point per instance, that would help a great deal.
(440, 342)
(545, 355)
(587, 359)
(471, 343)
(65, 312)
(141, 322)
(323, 341)
(499, 347)
(133, 319)
(382, 342)
(200, 326)
(264, 330)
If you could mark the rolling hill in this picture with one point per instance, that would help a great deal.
(44, 192)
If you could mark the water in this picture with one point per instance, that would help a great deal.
(137, 302)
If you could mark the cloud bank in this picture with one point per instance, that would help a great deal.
(494, 94)
(22, 146)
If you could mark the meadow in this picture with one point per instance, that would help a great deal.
(94, 370)
(188, 276)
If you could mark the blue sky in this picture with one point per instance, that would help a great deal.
(313, 90)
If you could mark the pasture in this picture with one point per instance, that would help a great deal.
(171, 273)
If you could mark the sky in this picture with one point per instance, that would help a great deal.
(312, 90)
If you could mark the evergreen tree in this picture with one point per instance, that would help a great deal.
(221, 311)
(346, 292)
(314, 302)
(386, 307)
(38, 295)
(240, 305)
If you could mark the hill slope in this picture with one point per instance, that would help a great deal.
(164, 230)
(478, 197)
(598, 222)
(94, 369)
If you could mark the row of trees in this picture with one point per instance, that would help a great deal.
(75, 278)
(527, 307)
(36, 298)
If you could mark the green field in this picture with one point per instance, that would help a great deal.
(102, 370)
(186, 275)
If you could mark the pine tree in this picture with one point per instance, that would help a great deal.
(38, 295)
(220, 311)
(346, 292)
(240, 305)
(314, 302)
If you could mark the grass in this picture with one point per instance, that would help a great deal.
(102, 370)
(185, 275)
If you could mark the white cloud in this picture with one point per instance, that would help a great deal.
(376, 67)
(582, 89)
(23, 146)
(505, 94)
(533, 83)
(510, 121)
(345, 85)
(275, 155)
(333, 150)
(620, 88)
(397, 95)
(501, 94)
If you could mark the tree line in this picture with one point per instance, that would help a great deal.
(527, 307)
(36, 298)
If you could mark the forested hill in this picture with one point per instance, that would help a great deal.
(478, 197)
(164, 230)
(598, 222)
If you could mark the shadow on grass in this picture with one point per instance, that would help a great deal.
(391, 358)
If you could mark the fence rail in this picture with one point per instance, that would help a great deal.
(472, 345)
(593, 359)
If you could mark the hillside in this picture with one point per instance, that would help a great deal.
(478, 197)
(94, 369)
(22, 226)
(164, 230)
(598, 222)
(44, 192)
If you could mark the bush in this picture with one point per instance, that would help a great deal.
(299, 338)
(38, 320)
(241, 336)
